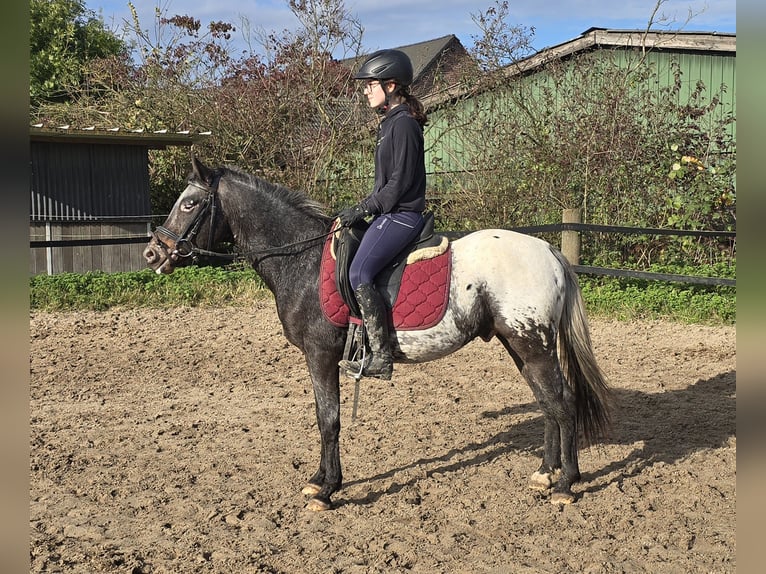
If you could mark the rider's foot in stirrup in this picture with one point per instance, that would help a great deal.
(378, 369)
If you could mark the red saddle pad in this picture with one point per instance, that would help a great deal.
(421, 301)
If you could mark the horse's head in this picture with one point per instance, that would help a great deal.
(195, 223)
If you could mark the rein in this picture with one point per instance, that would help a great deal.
(184, 242)
(261, 254)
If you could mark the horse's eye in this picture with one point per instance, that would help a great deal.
(189, 204)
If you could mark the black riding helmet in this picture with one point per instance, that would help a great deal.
(387, 65)
(384, 66)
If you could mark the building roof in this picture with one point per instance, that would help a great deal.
(159, 139)
(654, 40)
(593, 38)
(424, 55)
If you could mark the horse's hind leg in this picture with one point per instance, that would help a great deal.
(560, 466)
(550, 468)
(558, 405)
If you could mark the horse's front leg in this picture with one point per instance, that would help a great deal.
(329, 478)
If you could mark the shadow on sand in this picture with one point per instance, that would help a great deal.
(671, 425)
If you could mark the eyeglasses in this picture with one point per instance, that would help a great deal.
(370, 84)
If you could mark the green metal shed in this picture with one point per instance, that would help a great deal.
(704, 57)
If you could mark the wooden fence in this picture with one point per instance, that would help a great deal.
(78, 247)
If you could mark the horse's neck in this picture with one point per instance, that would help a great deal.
(277, 246)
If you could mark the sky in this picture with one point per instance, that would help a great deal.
(391, 23)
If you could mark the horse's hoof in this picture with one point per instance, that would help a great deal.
(311, 489)
(316, 505)
(562, 498)
(540, 481)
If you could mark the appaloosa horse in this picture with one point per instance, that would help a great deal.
(502, 284)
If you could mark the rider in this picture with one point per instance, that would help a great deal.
(397, 200)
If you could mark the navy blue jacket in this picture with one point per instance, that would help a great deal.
(400, 172)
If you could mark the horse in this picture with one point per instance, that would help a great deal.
(503, 284)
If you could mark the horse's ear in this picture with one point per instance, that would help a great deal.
(201, 171)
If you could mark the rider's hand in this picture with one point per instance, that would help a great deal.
(351, 215)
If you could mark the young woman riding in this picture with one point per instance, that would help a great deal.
(396, 203)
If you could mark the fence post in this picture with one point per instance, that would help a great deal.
(570, 240)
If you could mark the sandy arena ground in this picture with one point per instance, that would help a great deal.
(178, 442)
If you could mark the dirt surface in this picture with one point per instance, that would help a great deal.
(179, 441)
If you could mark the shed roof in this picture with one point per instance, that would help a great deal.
(156, 140)
(592, 38)
(655, 40)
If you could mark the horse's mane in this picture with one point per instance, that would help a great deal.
(296, 199)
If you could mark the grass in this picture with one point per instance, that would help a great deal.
(189, 286)
(626, 299)
(623, 299)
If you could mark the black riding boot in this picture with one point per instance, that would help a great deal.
(379, 363)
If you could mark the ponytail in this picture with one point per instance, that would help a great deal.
(417, 110)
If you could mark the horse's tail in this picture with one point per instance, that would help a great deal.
(592, 393)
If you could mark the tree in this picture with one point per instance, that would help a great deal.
(599, 132)
(63, 37)
(289, 111)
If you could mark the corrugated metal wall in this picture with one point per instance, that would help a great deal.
(713, 70)
(88, 191)
(446, 153)
(87, 181)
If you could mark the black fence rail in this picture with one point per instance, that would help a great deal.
(89, 242)
(589, 270)
(530, 230)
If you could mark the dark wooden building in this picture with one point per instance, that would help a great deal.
(89, 197)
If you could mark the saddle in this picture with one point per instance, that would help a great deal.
(415, 284)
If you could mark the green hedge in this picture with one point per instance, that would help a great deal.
(618, 298)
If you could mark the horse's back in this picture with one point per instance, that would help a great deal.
(504, 260)
(502, 282)
(517, 277)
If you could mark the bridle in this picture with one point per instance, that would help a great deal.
(183, 245)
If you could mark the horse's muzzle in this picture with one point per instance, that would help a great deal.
(157, 258)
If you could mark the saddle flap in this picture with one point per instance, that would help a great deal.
(345, 244)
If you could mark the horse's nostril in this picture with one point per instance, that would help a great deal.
(150, 255)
